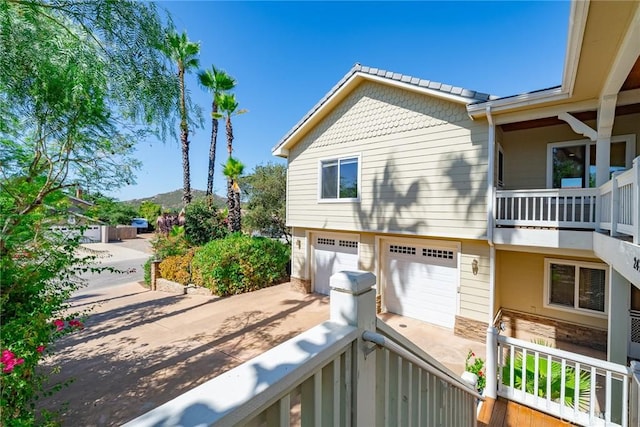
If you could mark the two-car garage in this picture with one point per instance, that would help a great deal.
(419, 277)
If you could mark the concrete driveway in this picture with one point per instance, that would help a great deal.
(141, 348)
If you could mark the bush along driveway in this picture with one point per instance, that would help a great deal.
(141, 348)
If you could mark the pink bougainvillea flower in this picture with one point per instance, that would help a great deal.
(40, 349)
(75, 323)
(12, 364)
(7, 355)
(59, 324)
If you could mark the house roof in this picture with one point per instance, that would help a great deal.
(360, 72)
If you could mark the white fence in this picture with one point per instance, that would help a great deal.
(580, 389)
(330, 376)
(620, 203)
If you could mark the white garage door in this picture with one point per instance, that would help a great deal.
(421, 282)
(332, 254)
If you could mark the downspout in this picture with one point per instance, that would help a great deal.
(492, 333)
(490, 212)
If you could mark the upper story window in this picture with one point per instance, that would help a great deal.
(576, 285)
(573, 164)
(339, 179)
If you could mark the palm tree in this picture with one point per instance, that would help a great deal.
(228, 107)
(217, 82)
(185, 54)
(233, 170)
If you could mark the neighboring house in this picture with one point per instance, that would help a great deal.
(76, 220)
(474, 210)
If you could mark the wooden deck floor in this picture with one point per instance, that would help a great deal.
(505, 413)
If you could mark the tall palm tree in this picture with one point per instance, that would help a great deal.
(233, 170)
(217, 82)
(228, 107)
(185, 54)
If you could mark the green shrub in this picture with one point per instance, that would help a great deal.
(147, 271)
(203, 223)
(240, 264)
(174, 243)
(177, 268)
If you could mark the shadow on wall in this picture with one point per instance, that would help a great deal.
(461, 182)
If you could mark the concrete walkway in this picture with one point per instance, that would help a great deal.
(141, 348)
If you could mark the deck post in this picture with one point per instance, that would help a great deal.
(353, 302)
(491, 364)
(636, 201)
(615, 204)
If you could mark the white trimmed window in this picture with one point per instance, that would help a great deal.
(572, 164)
(339, 179)
(576, 286)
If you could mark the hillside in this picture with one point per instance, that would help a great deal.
(173, 200)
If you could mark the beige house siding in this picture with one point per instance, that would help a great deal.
(521, 286)
(526, 150)
(299, 254)
(423, 166)
(474, 288)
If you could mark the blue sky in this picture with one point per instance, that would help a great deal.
(287, 55)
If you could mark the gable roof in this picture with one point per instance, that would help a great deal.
(354, 77)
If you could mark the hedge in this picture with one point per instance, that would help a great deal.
(239, 263)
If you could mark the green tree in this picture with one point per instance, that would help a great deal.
(150, 211)
(266, 190)
(233, 170)
(111, 211)
(217, 82)
(203, 223)
(228, 108)
(185, 54)
(80, 83)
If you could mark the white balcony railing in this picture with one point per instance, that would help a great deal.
(351, 370)
(614, 206)
(580, 389)
(561, 208)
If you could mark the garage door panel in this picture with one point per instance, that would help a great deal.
(421, 282)
(331, 255)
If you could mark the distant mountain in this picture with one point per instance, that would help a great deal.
(172, 200)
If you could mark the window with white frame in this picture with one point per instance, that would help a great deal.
(339, 179)
(576, 285)
(572, 164)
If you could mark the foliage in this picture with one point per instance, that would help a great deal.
(240, 263)
(266, 190)
(476, 367)
(111, 211)
(584, 380)
(177, 268)
(173, 243)
(185, 55)
(217, 82)
(149, 211)
(203, 223)
(80, 83)
(147, 271)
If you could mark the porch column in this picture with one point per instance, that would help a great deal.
(618, 335)
(353, 302)
(606, 116)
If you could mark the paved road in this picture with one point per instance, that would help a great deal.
(126, 256)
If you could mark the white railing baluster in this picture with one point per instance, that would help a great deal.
(563, 384)
(523, 379)
(625, 402)
(337, 386)
(285, 411)
(536, 373)
(409, 393)
(348, 388)
(387, 386)
(418, 400)
(576, 389)
(317, 398)
(399, 392)
(549, 361)
(512, 363)
(607, 413)
(592, 395)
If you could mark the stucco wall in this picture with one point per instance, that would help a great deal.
(520, 277)
(526, 150)
(423, 166)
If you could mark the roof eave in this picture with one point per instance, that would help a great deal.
(505, 104)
